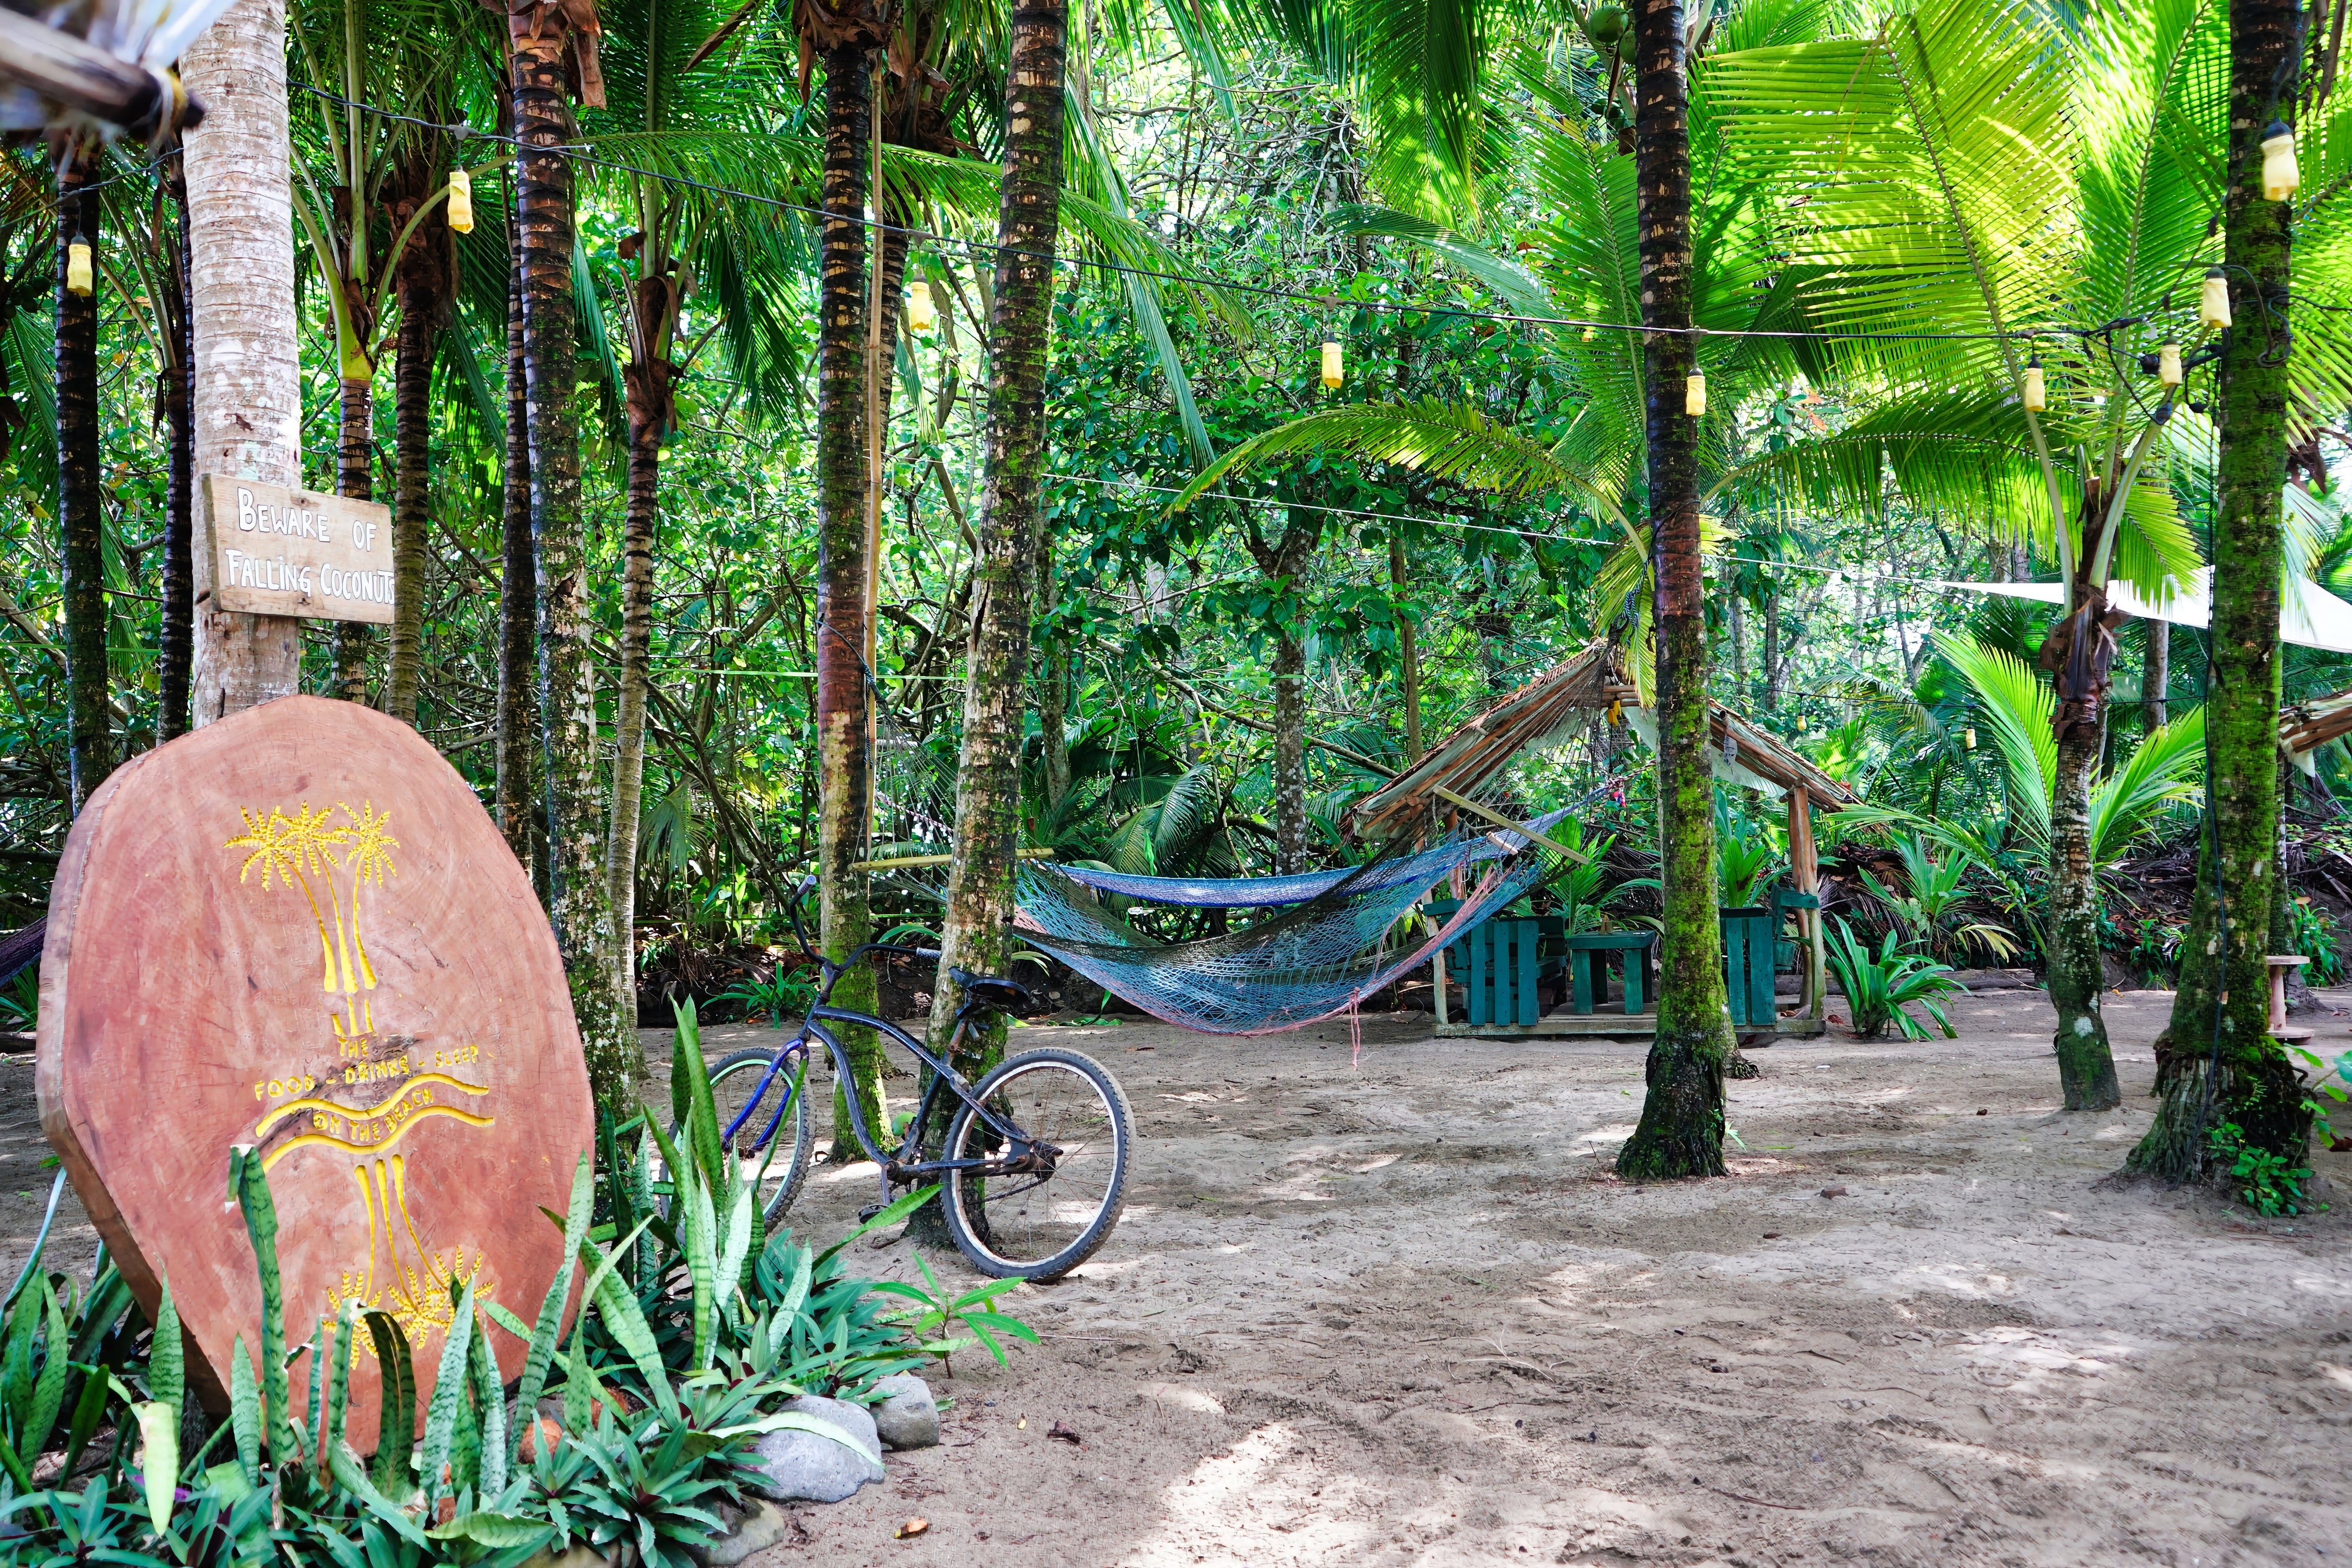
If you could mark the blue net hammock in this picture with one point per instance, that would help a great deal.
(1341, 936)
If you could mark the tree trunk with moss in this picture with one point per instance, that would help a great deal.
(2217, 1062)
(844, 694)
(581, 909)
(977, 936)
(354, 480)
(427, 284)
(1681, 1129)
(1281, 565)
(518, 724)
(2086, 1067)
(175, 638)
(89, 742)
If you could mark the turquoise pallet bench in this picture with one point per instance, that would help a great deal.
(1754, 951)
(1587, 970)
(1502, 963)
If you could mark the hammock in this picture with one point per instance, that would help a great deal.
(1321, 956)
(1420, 871)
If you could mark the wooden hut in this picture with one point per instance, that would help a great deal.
(1566, 701)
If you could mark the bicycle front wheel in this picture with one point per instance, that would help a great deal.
(1041, 1225)
(782, 1164)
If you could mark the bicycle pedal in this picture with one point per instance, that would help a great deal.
(869, 1211)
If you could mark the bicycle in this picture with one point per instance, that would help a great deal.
(1032, 1167)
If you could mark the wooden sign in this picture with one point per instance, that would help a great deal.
(297, 929)
(264, 550)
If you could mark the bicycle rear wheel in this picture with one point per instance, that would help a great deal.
(1040, 1225)
(740, 1088)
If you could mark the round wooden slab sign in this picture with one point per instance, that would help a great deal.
(297, 929)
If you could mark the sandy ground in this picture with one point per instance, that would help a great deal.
(1399, 1311)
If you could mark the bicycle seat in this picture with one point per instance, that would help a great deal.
(995, 993)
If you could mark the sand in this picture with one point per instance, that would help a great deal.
(1398, 1310)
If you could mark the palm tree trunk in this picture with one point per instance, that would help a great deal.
(354, 480)
(2156, 675)
(581, 909)
(1054, 688)
(649, 410)
(517, 594)
(1289, 755)
(1771, 647)
(89, 745)
(843, 698)
(2216, 1061)
(174, 637)
(987, 773)
(1681, 1129)
(2086, 1067)
(248, 387)
(425, 287)
(1408, 650)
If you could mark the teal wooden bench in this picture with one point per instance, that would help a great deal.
(1754, 951)
(1502, 963)
(1587, 970)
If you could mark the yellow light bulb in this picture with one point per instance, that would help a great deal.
(1333, 374)
(461, 200)
(2213, 301)
(922, 315)
(2279, 176)
(78, 281)
(2037, 391)
(1694, 395)
(2167, 365)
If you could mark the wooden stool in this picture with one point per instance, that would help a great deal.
(2281, 966)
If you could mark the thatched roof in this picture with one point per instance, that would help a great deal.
(1549, 709)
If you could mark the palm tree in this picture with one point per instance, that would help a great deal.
(90, 746)
(662, 98)
(2050, 190)
(2222, 1064)
(547, 45)
(2014, 707)
(247, 403)
(978, 928)
(518, 727)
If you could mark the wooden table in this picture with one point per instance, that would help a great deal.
(1588, 973)
(2281, 966)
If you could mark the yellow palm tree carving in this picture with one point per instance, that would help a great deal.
(306, 850)
(368, 855)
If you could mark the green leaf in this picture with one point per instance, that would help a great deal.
(338, 1381)
(158, 1457)
(495, 1530)
(448, 1402)
(249, 1184)
(490, 1399)
(166, 1368)
(543, 1334)
(49, 1392)
(396, 1427)
(895, 1214)
(244, 1410)
(353, 1475)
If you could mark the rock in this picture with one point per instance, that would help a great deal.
(908, 1416)
(795, 1465)
(1832, 1192)
(748, 1530)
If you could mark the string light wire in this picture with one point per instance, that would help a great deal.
(579, 153)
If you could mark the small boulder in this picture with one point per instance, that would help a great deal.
(908, 1416)
(810, 1467)
(753, 1528)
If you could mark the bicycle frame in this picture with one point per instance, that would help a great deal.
(899, 1166)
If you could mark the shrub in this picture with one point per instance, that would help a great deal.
(1880, 986)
